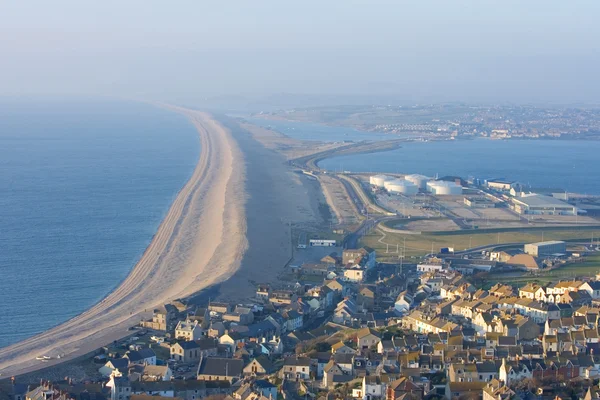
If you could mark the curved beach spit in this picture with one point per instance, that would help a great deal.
(200, 242)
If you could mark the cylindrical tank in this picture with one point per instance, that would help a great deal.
(443, 188)
(401, 186)
(379, 180)
(419, 180)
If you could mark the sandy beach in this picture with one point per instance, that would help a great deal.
(277, 199)
(200, 242)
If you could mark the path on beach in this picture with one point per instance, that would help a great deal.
(200, 242)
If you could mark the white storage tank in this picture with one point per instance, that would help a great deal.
(401, 186)
(379, 180)
(419, 180)
(443, 188)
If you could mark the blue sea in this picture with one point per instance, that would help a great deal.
(84, 184)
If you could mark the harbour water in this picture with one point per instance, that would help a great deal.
(83, 187)
(569, 165)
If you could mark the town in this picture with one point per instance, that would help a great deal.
(455, 120)
(363, 330)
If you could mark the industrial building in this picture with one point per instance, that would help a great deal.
(479, 202)
(500, 184)
(542, 205)
(380, 180)
(400, 186)
(544, 249)
(419, 180)
(443, 188)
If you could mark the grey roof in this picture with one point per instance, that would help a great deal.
(263, 384)
(297, 361)
(218, 366)
(487, 367)
(138, 355)
(188, 344)
(120, 363)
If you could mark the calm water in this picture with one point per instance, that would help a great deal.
(563, 164)
(83, 188)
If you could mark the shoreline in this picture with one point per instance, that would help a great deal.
(173, 264)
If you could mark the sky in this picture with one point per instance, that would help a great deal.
(187, 50)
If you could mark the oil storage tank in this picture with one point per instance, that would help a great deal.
(419, 180)
(443, 188)
(401, 186)
(379, 180)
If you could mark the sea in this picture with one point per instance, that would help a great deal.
(567, 165)
(84, 185)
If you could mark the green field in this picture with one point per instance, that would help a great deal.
(589, 267)
(419, 245)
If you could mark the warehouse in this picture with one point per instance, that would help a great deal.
(542, 205)
(443, 188)
(544, 249)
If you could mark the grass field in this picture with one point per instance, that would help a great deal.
(419, 245)
(589, 267)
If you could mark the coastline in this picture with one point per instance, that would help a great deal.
(175, 263)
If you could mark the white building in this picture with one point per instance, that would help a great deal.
(536, 204)
(188, 330)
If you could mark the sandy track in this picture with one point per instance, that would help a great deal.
(200, 242)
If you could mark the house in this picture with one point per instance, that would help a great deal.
(120, 388)
(296, 368)
(188, 352)
(232, 339)
(593, 289)
(265, 388)
(330, 371)
(220, 369)
(261, 365)
(344, 311)
(263, 292)
(367, 338)
(366, 297)
(498, 390)
(354, 274)
(374, 387)
(185, 351)
(283, 297)
(363, 256)
(403, 302)
(188, 330)
(403, 387)
(314, 269)
(118, 364)
(331, 259)
(162, 317)
(241, 315)
(293, 320)
(142, 356)
(220, 308)
(463, 390)
(155, 373)
(342, 348)
(459, 372)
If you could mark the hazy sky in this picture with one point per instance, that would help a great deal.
(517, 51)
